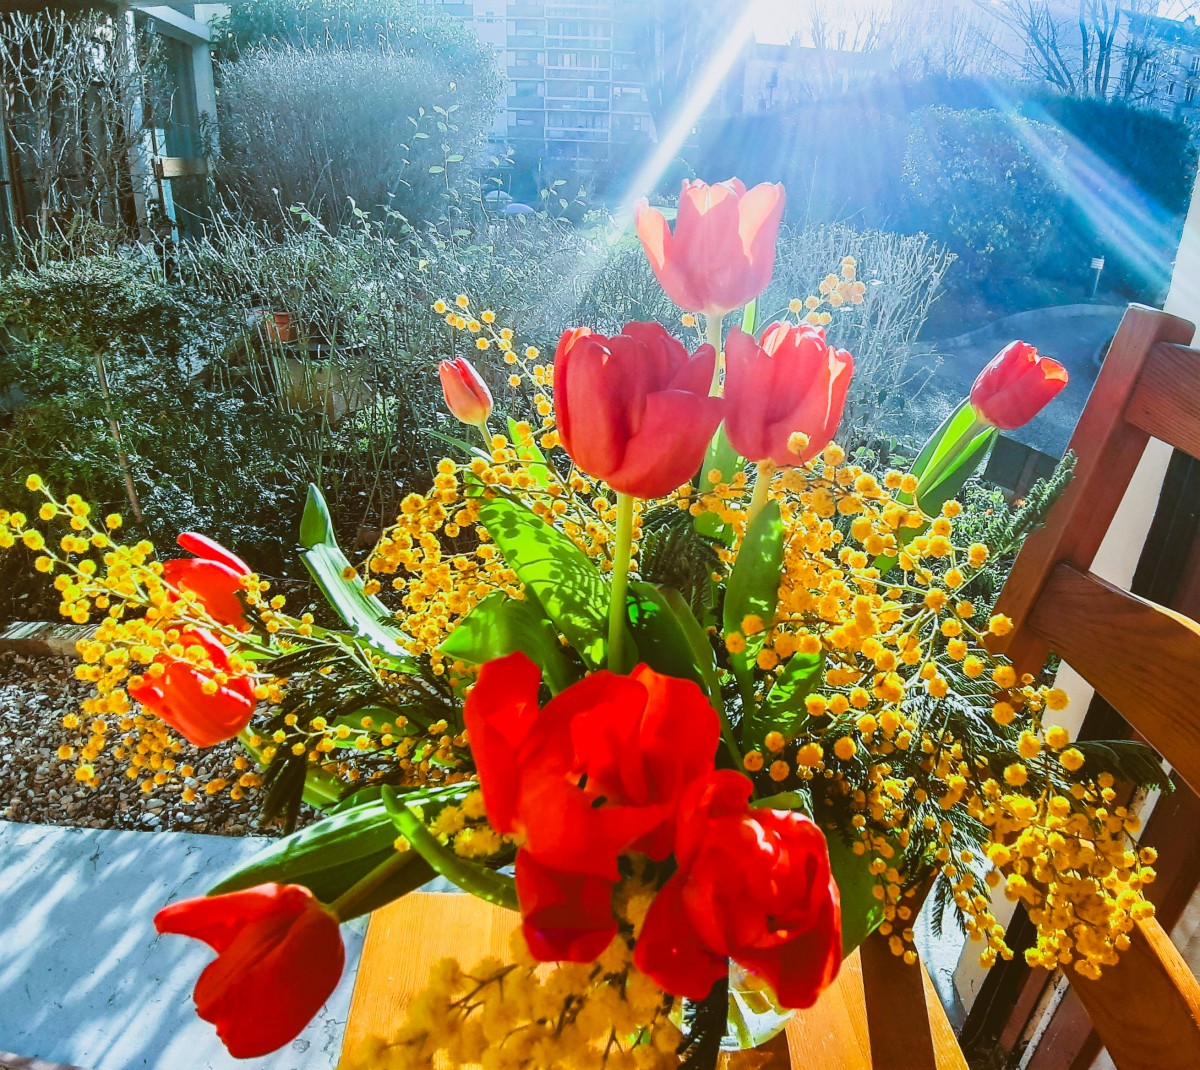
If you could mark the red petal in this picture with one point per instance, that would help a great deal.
(567, 916)
(499, 713)
(214, 583)
(801, 969)
(670, 952)
(669, 447)
(217, 919)
(273, 977)
(202, 546)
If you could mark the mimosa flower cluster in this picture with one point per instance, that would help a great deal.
(719, 694)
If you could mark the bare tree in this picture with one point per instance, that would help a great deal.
(1085, 48)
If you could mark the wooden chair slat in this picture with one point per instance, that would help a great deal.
(1166, 400)
(1108, 450)
(1120, 643)
(1146, 1009)
(407, 937)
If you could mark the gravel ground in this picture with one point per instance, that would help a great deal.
(38, 788)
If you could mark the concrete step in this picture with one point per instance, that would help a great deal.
(44, 638)
(8, 1061)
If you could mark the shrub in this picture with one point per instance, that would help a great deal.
(321, 103)
(986, 182)
(110, 362)
(904, 276)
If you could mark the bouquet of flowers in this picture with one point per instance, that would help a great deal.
(705, 700)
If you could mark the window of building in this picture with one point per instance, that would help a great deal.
(1190, 95)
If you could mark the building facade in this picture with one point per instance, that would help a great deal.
(574, 94)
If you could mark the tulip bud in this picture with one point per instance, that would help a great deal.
(467, 395)
(1017, 384)
(722, 252)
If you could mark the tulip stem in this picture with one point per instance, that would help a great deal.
(951, 456)
(348, 904)
(487, 436)
(762, 488)
(712, 334)
(620, 583)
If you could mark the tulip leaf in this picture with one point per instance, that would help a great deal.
(723, 459)
(753, 587)
(481, 882)
(750, 316)
(698, 642)
(535, 461)
(661, 641)
(954, 475)
(783, 710)
(364, 613)
(500, 625)
(331, 856)
(560, 576)
(862, 913)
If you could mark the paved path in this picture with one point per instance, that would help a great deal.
(84, 978)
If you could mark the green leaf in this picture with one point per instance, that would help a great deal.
(753, 588)
(535, 461)
(365, 614)
(862, 913)
(470, 876)
(331, 856)
(697, 639)
(561, 577)
(499, 626)
(785, 800)
(749, 316)
(659, 635)
(722, 458)
(784, 710)
(956, 473)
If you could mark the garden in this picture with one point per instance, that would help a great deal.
(627, 563)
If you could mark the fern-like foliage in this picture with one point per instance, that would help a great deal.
(674, 554)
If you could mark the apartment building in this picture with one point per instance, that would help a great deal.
(574, 93)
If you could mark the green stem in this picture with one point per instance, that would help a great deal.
(345, 906)
(487, 436)
(620, 584)
(762, 488)
(931, 475)
(712, 334)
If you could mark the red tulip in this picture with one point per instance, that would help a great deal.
(595, 774)
(214, 576)
(634, 409)
(279, 957)
(467, 395)
(723, 249)
(793, 381)
(1017, 384)
(180, 698)
(753, 885)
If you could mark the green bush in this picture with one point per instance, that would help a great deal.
(986, 182)
(110, 363)
(324, 103)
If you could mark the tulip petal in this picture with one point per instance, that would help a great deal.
(803, 967)
(202, 546)
(499, 713)
(215, 583)
(568, 917)
(670, 952)
(669, 447)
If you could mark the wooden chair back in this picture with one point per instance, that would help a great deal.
(1142, 658)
